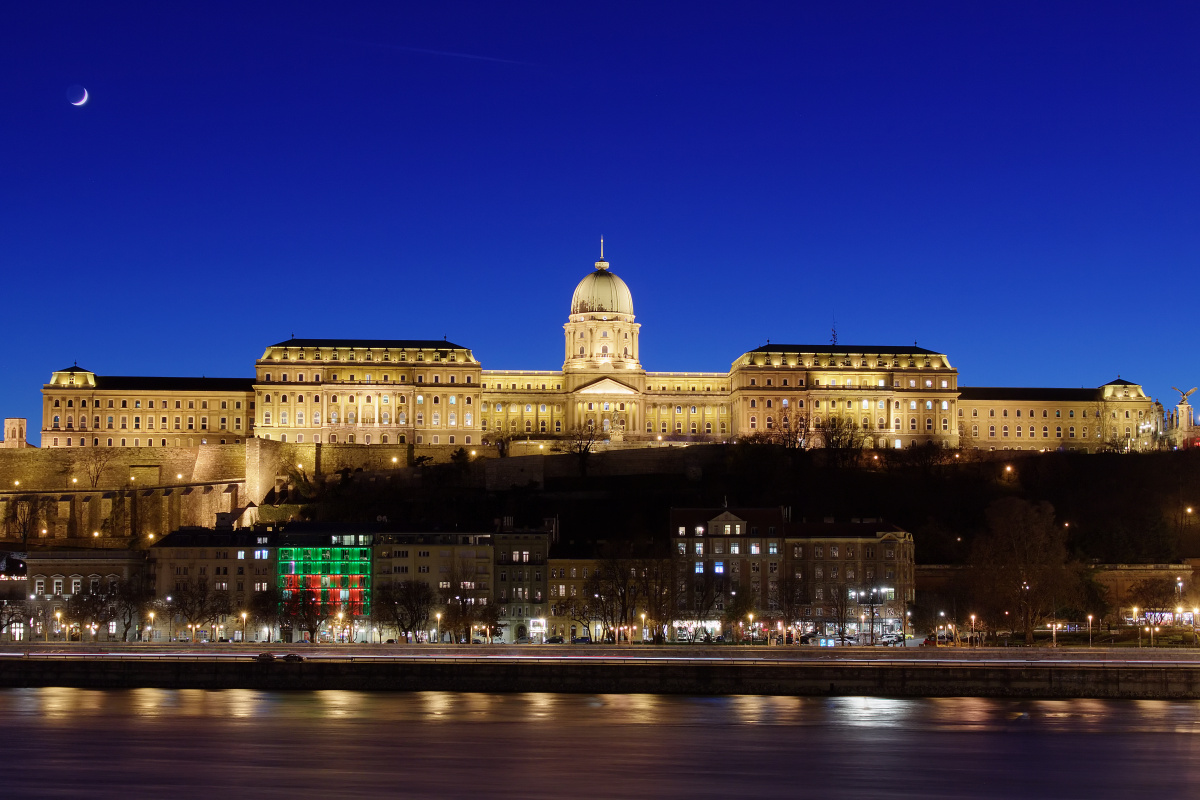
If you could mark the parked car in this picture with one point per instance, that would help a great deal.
(266, 657)
(293, 657)
(522, 640)
(555, 640)
(581, 640)
(390, 641)
(477, 641)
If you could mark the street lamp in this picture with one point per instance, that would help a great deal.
(439, 627)
(339, 634)
(151, 626)
(243, 626)
(972, 630)
(752, 637)
(642, 634)
(58, 616)
(1089, 630)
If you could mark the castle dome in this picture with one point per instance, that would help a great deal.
(602, 292)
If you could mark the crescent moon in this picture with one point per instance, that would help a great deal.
(82, 101)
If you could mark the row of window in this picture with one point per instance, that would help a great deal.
(110, 423)
(1058, 432)
(237, 404)
(333, 378)
(1057, 413)
(368, 355)
(82, 442)
(897, 383)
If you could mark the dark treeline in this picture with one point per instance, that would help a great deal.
(1116, 508)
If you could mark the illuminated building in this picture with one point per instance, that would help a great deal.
(810, 572)
(437, 394)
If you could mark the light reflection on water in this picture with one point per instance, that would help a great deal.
(190, 743)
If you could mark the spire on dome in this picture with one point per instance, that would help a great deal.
(601, 264)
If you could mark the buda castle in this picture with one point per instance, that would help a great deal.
(435, 393)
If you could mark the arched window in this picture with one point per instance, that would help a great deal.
(929, 423)
(283, 418)
(401, 418)
(266, 418)
(768, 405)
(316, 418)
(299, 417)
(626, 352)
(333, 417)
(528, 407)
(753, 423)
(770, 423)
(753, 403)
(897, 423)
(266, 399)
(452, 418)
(912, 423)
(386, 418)
(283, 398)
(437, 418)
(581, 347)
(383, 439)
(437, 400)
(1004, 432)
(975, 430)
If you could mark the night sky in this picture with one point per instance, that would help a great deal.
(1013, 184)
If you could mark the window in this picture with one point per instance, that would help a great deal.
(699, 568)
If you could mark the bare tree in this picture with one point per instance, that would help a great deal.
(583, 611)
(88, 610)
(27, 515)
(94, 462)
(13, 612)
(656, 589)
(267, 607)
(791, 594)
(842, 439)
(460, 604)
(197, 604)
(843, 609)
(130, 600)
(1022, 560)
(580, 440)
(308, 611)
(1155, 597)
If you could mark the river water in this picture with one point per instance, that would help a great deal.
(184, 743)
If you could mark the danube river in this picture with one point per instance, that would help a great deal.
(190, 743)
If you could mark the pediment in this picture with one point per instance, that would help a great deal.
(606, 386)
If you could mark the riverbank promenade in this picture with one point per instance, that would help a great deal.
(1146, 673)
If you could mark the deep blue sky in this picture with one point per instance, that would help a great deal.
(1013, 184)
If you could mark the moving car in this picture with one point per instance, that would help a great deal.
(265, 657)
(555, 640)
(293, 657)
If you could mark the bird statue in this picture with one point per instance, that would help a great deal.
(1183, 396)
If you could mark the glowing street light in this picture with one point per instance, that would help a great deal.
(439, 626)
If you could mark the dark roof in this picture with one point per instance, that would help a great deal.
(818, 530)
(1026, 393)
(428, 344)
(73, 368)
(846, 349)
(209, 537)
(1119, 382)
(148, 383)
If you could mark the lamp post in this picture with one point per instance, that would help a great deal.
(972, 630)
(1195, 611)
(58, 616)
(439, 627)
(937, 634)
(340, 629)
(752, 637)
(243, 627)
(151, 626)
(1139, 625)
(1089, 630)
